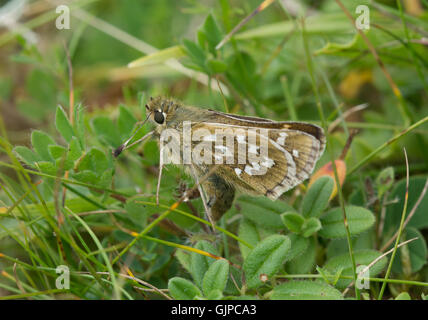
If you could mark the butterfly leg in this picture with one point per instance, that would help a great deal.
(160, 175)
(203, 195)
(220, 195)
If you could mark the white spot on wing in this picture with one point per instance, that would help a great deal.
(252, 148)
(249, 170)
(238, 171)
(211, 137)
(240, 139)
(269, 163)
(295, 153)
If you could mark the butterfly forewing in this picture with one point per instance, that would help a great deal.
(257, 160)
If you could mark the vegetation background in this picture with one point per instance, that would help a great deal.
(69, 97)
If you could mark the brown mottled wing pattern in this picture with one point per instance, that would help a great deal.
(290, 158)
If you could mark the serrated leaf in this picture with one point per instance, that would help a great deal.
(41, 142)
(311, 226)
(216, 277)
(317, 197)
(359, 220)
(305, 290)
(362, 257)
(63, 125)
(182, 289)
(293, 221)
(263, 211)
(27, 155)
(199, 264)
(266, 259)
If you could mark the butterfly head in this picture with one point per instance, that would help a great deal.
(159, 110)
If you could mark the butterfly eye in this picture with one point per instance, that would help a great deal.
(159, 117)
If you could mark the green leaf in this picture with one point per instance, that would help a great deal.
(96, 161)
(63, 124)
(263, 211)
(266, 259)
(362, 257)
(195, 53)
(293, 221)
(47, 167)
(125, 122)
(74, 150)
(160, 56)
(394, 211)
(317, 197)
(416, 252)
(305, 262)
(215, 295)
(403, 296)
(216, 277)
(212, 34)
(182, 289)
(41, 142)
(26, 155)
(311, 226)
(299, 245)
(249, 233)
(106, 131)
(199, 264)
(384, 181)
(305, 290)
(86, 176)
(359, 220)
(57, 151)
(216, 66)
(184, 258)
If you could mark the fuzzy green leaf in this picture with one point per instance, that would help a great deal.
(125, 122)
(63, 124)
(305, 290)
(362, 257)
(216, 277)
(183, 289)
(317, 197)
(311, 226)
(41, 142)
(263, 211)
(266, 259)
(26, 155)
(359, 220)
(199, 264)
(293, 221)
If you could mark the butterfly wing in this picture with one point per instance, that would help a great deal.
(278, 155)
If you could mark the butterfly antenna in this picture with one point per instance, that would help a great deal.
(124, 145)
